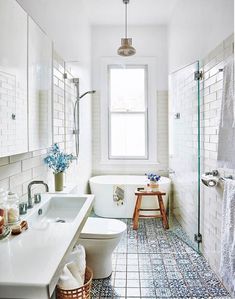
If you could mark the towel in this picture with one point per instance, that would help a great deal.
(226, 144)
(78, 258)
(75, 271)
(227, 261)
(73, 274)
(67, 281)
(118, 195)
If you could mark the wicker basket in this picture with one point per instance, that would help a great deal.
(80, 293)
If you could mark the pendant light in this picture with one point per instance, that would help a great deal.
(126, 48)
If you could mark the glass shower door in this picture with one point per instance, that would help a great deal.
(184, 150)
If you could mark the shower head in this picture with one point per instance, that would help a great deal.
(88, 92)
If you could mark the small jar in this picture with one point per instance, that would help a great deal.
(3, 204)
(13, 214)
(154, 186)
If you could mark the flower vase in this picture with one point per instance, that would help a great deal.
(154, 186)
(59, 181)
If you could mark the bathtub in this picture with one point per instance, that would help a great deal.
(103, 189)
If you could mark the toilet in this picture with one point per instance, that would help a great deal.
(100, 236)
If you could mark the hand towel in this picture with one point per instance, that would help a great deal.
(118, 195)
(226, 143)
(78, 257)
(227, 261)
(67, 281)
(75, 271)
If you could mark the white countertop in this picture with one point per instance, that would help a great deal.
(30, 263)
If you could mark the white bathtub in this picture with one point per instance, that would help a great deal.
(103, 186)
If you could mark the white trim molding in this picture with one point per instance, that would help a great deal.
(150, 62)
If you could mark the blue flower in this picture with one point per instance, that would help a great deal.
(58, 160)
(153, 177)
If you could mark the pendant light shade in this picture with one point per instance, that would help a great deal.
(126, 48)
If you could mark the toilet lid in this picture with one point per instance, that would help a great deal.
(102, 228)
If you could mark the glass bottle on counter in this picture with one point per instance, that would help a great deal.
(3, 204)
(13, 215)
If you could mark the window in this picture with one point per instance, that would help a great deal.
(127, 112)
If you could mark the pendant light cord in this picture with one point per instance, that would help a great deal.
(126, 19)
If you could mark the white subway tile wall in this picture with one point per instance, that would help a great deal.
(210, 118)
(70, 95)
(211, 198)
(58, 100)
(162, 141)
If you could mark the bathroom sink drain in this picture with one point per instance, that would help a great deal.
(60, 221)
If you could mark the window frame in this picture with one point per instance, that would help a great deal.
(152, 110)
(145, 112)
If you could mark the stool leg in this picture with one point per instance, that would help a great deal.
(135, 208)
(163, 212)
(136, 213)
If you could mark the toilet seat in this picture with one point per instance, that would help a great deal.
(102, 228)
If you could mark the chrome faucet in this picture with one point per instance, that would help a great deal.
(30, 200)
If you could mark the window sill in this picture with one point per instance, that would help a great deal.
(128, 162)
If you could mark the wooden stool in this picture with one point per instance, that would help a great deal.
(137, 210)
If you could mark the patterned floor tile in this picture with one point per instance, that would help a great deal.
(163, 292)
(120, 275)
(180, 292)
(147, 283)
(120, 283)
(132, 275)
(193, 282)
(119, 292)
(133, 292)
(133, 268)
(154, 263)
(176, 283)
(148, 292)
(174, 275)
(133, 283)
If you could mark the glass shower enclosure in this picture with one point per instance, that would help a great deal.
(184, 152)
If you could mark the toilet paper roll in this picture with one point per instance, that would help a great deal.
(209, 180)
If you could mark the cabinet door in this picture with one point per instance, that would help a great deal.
(40, 87)
(13, 79)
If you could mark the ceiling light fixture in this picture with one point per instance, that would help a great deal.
(126, 48)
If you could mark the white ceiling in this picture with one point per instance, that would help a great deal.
(140, 12)
(65, 20)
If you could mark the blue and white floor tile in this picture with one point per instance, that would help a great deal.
(154, 263)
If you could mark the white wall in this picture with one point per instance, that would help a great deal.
(197, 27)
(69, 28)
(149, 41)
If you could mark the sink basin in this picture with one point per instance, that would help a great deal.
(33, 260)
(58, 210)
